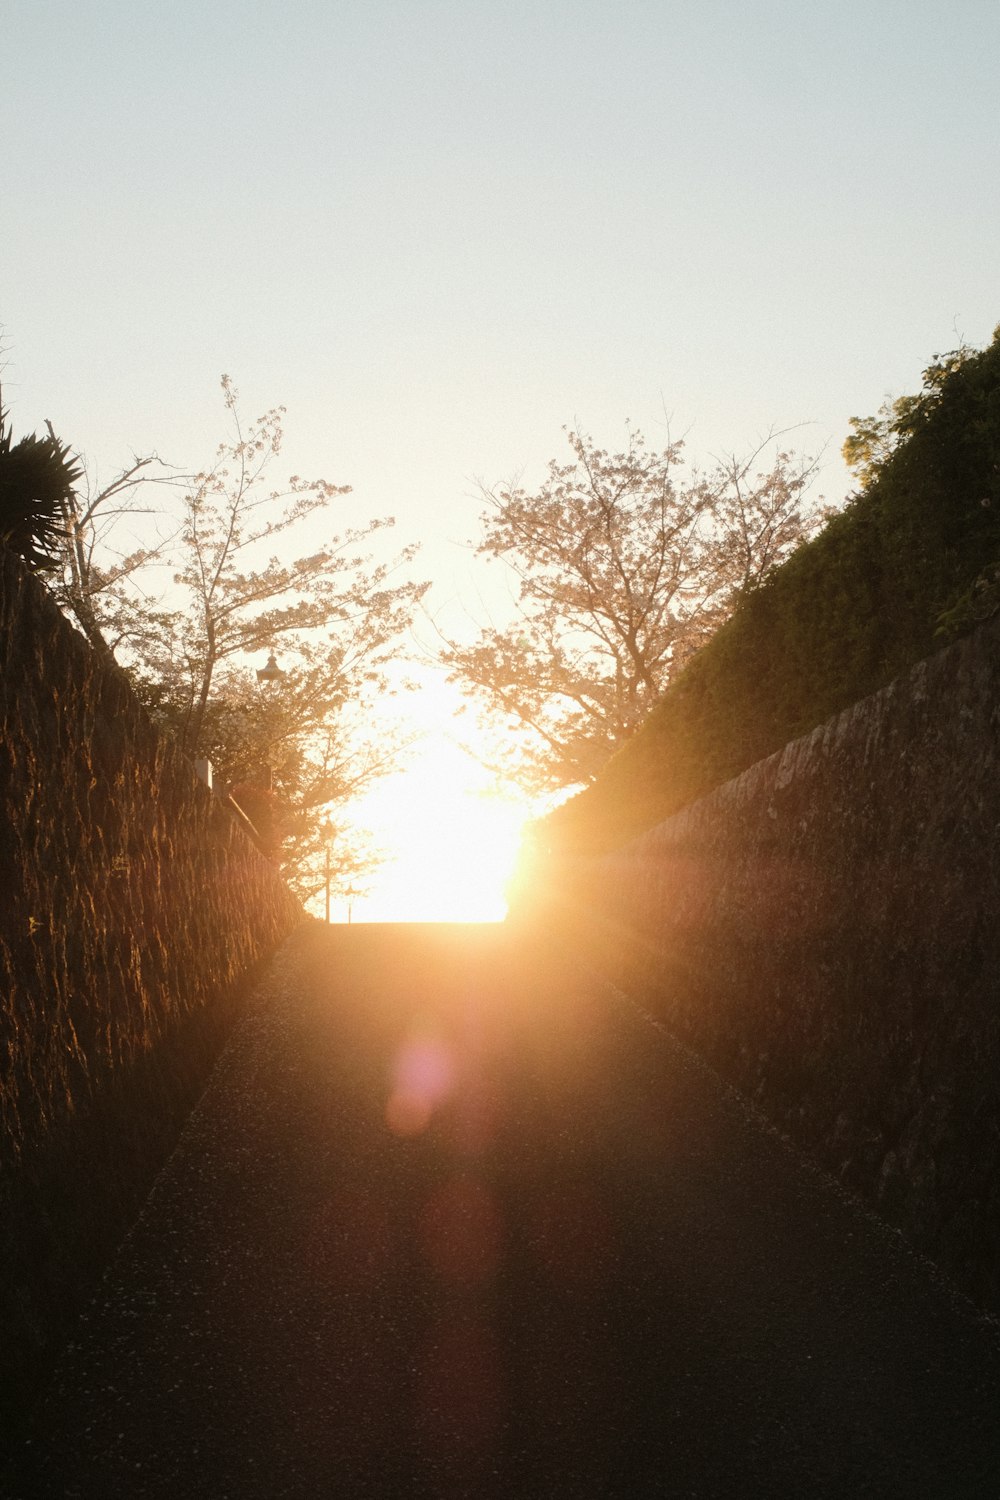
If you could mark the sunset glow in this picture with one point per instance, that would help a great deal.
(453, 850)
(451, 838)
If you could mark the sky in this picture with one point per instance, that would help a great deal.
(438, 232)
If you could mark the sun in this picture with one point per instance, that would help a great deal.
(453, 852)
(452, 846)
(451, 838)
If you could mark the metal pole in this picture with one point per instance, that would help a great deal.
(327, 874)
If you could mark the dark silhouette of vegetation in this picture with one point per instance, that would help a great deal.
(912, 562)
(36, 475)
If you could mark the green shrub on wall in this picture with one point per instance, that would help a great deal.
(912, 561)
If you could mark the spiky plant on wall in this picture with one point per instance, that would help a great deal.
(36, 474)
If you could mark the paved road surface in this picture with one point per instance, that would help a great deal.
(453, 1221)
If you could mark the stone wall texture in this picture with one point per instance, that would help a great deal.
(133, 907)
(825, 931)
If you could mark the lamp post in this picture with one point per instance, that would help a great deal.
(327, 831)
(270, 673)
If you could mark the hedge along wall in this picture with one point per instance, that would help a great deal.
(913, 560)
(825, 931)
(133, 908)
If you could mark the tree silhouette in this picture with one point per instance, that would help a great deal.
(36, 475)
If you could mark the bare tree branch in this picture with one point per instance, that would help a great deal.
(624, 569)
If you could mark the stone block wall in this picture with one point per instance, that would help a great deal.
(133, 907)
(825, 931)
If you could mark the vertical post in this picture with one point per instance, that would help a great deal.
(271, 674)
(326, 830)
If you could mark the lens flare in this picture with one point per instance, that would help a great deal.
(423, 1076)
(461, 1396)
(461, 1232)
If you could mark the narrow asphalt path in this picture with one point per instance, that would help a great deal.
(452, 1220)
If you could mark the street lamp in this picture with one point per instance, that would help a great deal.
(270, 673)
(327, 832)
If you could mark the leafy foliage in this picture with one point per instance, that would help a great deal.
(36, 475)
(913, 560)
(625, 569)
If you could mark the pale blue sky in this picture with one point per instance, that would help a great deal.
(438, 231)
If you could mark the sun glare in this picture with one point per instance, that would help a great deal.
(452, 849)
(451, 840)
